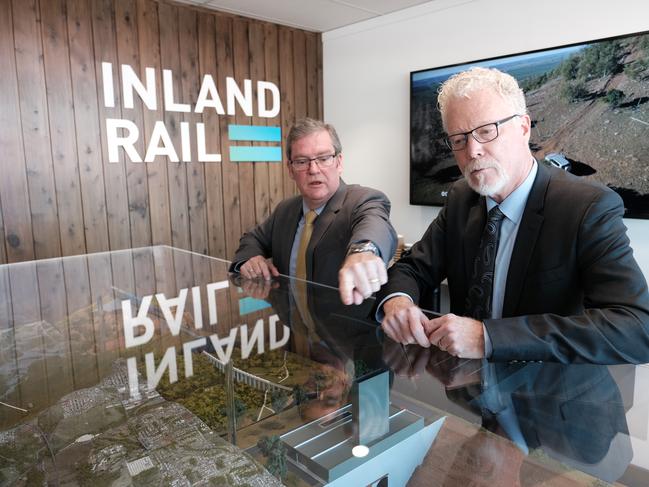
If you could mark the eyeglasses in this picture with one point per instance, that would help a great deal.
(483, 134)
(304, 163)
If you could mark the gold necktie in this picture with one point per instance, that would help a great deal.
(300, 267)
(304, 327)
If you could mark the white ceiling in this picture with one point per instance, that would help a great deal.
(313, 15)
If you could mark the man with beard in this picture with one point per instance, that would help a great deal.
(537, 260)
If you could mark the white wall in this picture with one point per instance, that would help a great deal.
(366, 77)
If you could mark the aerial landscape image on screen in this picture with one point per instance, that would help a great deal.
(589, 111)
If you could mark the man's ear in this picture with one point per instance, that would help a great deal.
(340, 163)
(289, 168)
(526, 125)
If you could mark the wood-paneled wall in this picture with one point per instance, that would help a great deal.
(60, 196)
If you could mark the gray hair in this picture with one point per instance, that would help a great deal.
(461, 85)
(307, 126)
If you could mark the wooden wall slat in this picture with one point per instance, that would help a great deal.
(6, 316)
(26, 307)
(287, 89)
(8, 358)
(170, 59)
(105, 321)
(164, 279)
(196, 171)
(137, 184)
(258, 72)
(312, 109)
(149, 46)
(136, 174)
(319, 77)
(89, 130)
(231, 198)
(82, 336)
(271, 67)
(116, 197)
(247, 187)
(3, 251)
(14, 195)
(299, 73)
(123, 274)
(189, 88)
(59, 195)
(214, 186)
(56, 339)
(62, 126)
(36, 134)
(8, 348)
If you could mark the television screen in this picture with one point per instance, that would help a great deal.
(589, 111)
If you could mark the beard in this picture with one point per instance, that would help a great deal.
(482, 183)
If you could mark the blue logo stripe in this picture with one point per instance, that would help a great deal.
(250, 305)
(260, 133)
(255, 154)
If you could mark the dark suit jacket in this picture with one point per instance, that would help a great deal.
(574, 292)
(353, 213)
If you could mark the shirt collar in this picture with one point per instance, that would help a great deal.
(306, 209)
(514, 205)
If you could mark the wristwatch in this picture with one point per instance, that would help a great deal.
(363, 246)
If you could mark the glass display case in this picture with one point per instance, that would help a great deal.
(155, 366)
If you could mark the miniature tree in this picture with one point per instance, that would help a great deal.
(278, 400)
(273, 449)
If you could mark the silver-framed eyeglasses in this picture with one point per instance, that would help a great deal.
(483, 134)
(303, 163)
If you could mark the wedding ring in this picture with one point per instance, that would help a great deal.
(375, 280)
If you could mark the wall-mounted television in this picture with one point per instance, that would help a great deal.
(590, 115)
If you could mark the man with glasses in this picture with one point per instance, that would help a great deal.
(332, 233)
(537, 260)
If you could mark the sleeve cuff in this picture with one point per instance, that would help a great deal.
(379, 315)
(235, 266)
(488, 347)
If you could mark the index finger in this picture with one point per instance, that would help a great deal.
(263, 267)
(273, 269)
(416, 321)
(433, 330)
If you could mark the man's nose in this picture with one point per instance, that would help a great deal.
(473, 147)
(314, 168)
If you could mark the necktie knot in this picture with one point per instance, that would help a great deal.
(310, 217)
(495, 214)
(494, 218)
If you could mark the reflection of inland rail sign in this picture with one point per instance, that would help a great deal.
(139, 329)
(125, 134)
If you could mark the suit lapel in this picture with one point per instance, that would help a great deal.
(526, 238)
(287, 235)
(474, 227)
(322, 224)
